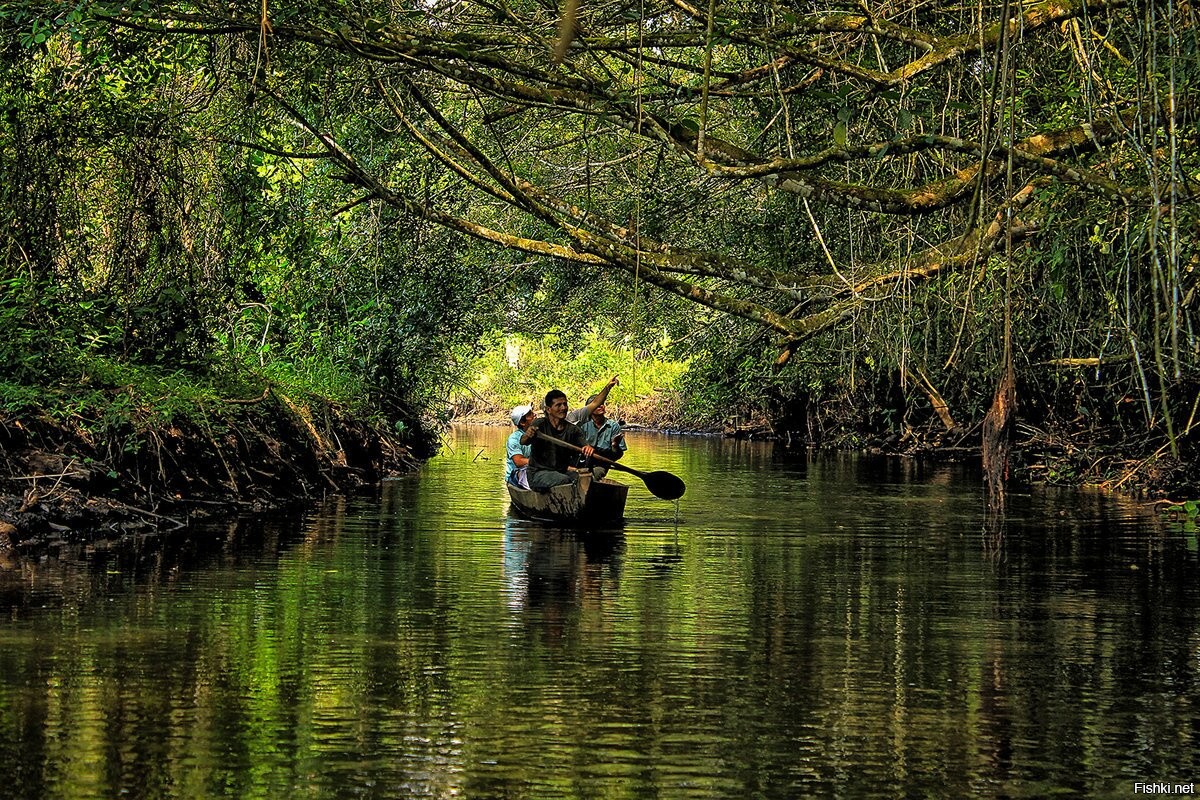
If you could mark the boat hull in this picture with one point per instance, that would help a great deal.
(584, 503)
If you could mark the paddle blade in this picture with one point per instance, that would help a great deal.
(664, 485)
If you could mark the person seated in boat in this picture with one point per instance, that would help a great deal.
(550, 464)
(579, 416)
(605, 435)
(516, 460)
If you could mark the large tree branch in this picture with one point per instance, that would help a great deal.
(939, 50)
(596, 252)
(647, 85)
(962, 253)
(483, 59)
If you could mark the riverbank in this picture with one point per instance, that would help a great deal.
(121, 468)
(1145, 467)
(109, 472)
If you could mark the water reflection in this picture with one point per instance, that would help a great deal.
(808, 626)
(556, 576)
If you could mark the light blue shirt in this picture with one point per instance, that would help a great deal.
(515, 448)
(603, 436)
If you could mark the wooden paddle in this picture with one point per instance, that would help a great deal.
(661, 484)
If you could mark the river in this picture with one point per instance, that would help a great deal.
(801, 625)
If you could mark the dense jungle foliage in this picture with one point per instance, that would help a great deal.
(902, 220)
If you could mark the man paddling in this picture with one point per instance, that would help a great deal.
(558, 463)
(549, 464)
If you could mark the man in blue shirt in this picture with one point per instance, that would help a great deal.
(578, 416)
(605, 435)
(516, 461)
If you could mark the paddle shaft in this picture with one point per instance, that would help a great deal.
(661, 484)
(596, 456)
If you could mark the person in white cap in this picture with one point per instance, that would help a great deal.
(516, 462)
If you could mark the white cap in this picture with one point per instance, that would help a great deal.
(519, 413)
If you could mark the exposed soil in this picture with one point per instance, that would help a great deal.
(64, 482)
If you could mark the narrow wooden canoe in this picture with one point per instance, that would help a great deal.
(587, 502)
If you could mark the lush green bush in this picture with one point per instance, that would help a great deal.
(519, 369)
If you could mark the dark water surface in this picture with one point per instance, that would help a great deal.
(807, 626)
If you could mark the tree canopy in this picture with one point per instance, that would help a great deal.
(944, 183)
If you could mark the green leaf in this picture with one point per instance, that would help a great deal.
(839, 134)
